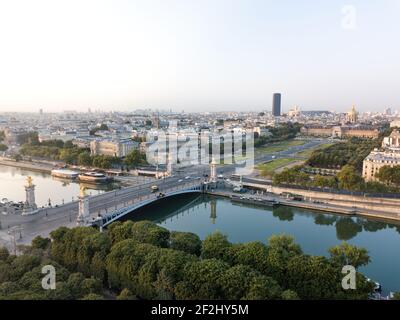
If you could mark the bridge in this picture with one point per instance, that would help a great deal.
(94, 210)
(103, 220)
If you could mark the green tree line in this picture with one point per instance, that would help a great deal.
(348, 178)
(141, 260)
(282, 132)
(71, 154)
(352, 152)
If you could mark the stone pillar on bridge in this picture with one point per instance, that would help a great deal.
(30, 204)
(83, 207)
(213, 170)
(169, 165)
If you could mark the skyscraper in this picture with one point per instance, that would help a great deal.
(276, 105)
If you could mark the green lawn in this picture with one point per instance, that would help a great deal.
(268, 168)
(280, 146)
(307, 153)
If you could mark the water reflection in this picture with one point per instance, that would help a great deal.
(283, 213)
(12, 181)
(347, 228)
(315, 232)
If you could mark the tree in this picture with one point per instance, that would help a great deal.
(135, 158)
(216, 246)
(235, 281)
(312, 277)
(254, 254)
(125, 294)
(119, 231)
(91, 285)
(68, 144)
(202, 280)
(281, 249)
(124, 262)
(4, 254)
(290, 295)
(292, 176)
(263, 288)
(325, 182)
(349, 179)
(346, 254)
(84, 159)
(17, 157)
(93, 296)
(389, 175)
(149, 232)
(3, 147)
(185, 241)
(40, 243)
(22, 264)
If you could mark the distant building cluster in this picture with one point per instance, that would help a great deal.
(118, 133)
(349, 128)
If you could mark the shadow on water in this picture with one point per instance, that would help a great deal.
(346, 228)
(164, 208)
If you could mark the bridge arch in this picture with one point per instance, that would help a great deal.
(116, 215)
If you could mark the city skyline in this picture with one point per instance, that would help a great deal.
(221, 55)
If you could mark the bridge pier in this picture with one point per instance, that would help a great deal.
(83, 207)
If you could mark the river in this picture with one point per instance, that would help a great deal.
(12, 181)
(314, 231)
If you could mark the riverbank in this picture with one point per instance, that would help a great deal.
(31, 166)
(321, 207)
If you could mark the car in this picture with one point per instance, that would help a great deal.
(220, 176)
(187, 177)
(154, 189)
(180, 180)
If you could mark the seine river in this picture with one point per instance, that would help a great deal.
(315, 232)
(12, 181)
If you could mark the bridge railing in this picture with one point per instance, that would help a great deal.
(111, 212)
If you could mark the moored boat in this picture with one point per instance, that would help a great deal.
(93, 177)
(64, 173)
(253, 201)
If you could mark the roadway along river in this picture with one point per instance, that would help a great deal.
(315, 232)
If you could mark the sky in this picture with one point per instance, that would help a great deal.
(199, 55)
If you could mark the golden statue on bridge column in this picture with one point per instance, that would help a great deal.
(29, 181)
(82, 190)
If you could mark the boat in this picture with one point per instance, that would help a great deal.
(64, 173)
(93, 177)
(253, 201)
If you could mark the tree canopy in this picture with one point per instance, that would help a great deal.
(141, 260)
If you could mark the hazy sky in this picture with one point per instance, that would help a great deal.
(199, 54)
